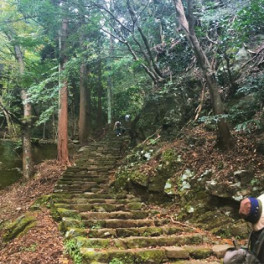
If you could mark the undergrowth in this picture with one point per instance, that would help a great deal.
(73, 250)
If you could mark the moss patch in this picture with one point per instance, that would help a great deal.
(151, 256)
(68, 213)
(199, 252)
(44, 200)
(134, 206)
(70, 223)
(139, 178)
(19, 227)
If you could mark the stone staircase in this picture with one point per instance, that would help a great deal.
(118, 228)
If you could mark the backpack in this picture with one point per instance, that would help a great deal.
(245, 255)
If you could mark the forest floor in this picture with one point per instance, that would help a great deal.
(198, 150)
(43, 244)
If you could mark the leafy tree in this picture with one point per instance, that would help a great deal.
(16, 33)
(224, 137)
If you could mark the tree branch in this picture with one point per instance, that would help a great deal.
(17, 120)
(145, 40)
(112, 15)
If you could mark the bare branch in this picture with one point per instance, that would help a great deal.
(112, 15)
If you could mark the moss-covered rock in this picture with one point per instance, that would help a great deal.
(44, 200)
(171, 187)
(68, 222)
(122, 180)
(19, 227)
(139, 178)
(240, 229)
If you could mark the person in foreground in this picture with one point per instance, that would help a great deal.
(252, 210)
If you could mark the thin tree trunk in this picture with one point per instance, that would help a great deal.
(62, 147)
(109, 100)
(44, 131)
(26, 126)
(26, 134)
(225, 139)
(99, 96)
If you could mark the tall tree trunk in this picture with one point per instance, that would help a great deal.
(109, 100)
(62, 147)
(99, 95)
(225, 139)
(26, 127)
(84, 122)
(26, 137)
(109, 79)
(84, 112)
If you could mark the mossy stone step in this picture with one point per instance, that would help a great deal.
(143, 242)
(63, 212)
(93, 190)
(151, 231)
(115, 215)
(96, 161)
(62, 191)
(76, 184)
(85, 173)
(87, 186)
(105, 169)
(130, 256)
(80, 182)
(100, 164)
(88, 195)
(99, 151)
(93, 207)
(77, 188)
(83, 179)
(118, 223)
(82, 174)
(70, 222)
(140, 231)
(104, 207)
(98, 156)
(133, 203)
(75, 169)
(199, 252)
(139, 255)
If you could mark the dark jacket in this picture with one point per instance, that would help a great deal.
(255, 235)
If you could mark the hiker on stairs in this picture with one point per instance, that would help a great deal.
(118, 128)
